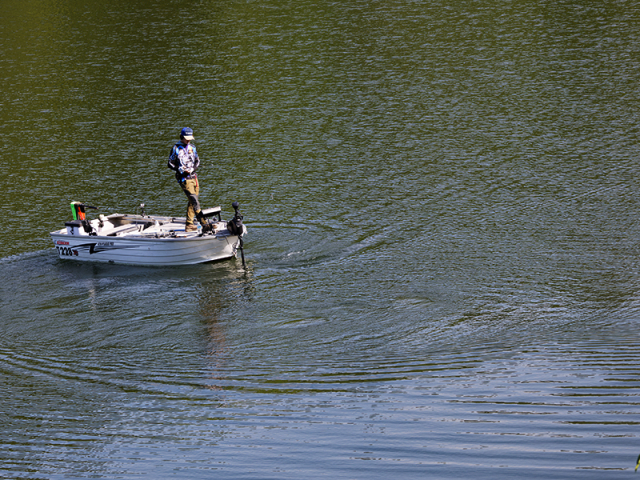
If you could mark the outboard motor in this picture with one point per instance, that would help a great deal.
(80, 216)
(78, 210)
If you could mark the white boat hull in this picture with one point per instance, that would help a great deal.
(162, 243)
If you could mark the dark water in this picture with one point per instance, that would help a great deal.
(443, 276)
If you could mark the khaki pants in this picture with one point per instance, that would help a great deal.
(191, 189)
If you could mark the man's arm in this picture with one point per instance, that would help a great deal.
(173, 160)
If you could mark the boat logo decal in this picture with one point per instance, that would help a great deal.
(90, 248)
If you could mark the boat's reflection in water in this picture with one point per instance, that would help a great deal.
(222, 298)
(186, 308)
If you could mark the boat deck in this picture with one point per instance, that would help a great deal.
(122, 225)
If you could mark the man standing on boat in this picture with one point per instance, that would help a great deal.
(184, 160)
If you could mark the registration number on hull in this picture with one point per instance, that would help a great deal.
(66, 251)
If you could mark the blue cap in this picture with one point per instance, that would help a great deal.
(186, 133)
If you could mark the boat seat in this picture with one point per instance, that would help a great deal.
(210, 212)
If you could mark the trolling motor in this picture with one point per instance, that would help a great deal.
(235, 227)
(235, 224)
(79, 211)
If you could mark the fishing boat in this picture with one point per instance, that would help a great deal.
(148, 240)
